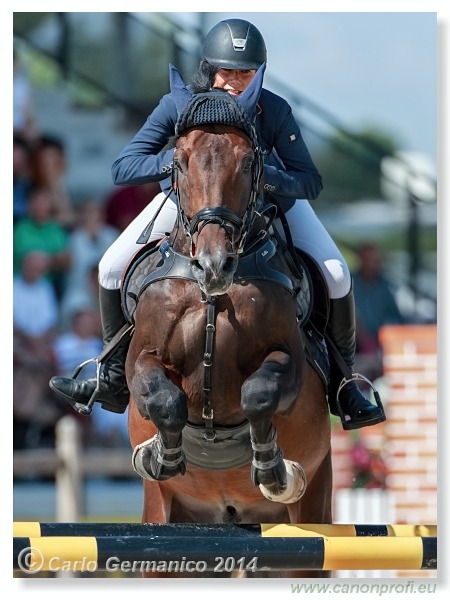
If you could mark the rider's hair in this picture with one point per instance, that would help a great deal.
(203, 77)
(231, 44)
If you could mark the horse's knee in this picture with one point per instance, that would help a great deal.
(260, 396)
(273, 387)
(163, 402)
(168, 409)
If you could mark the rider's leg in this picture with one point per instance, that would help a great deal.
(310, 236)
(113, 391)
(113, 394)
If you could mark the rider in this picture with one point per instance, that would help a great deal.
(232, 52)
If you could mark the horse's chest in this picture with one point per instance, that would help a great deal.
(247, 321)
(239, 335)
(192, 333)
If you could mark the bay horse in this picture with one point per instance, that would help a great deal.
(220, 389)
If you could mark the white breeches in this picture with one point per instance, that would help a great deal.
(115, 260)
(308, 234)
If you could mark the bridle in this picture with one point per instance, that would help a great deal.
(236, 227)
(200, 112)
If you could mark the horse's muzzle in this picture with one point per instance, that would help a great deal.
(214, 274)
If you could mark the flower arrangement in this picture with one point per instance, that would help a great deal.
(369, 468)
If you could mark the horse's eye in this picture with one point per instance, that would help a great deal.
(177, 165)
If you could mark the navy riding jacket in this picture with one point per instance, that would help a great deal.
(289, 171)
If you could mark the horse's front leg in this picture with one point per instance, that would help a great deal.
(274, 387)
(160, 400)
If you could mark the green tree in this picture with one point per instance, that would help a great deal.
(350, 165)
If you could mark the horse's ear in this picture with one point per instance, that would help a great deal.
(250, 96)
(180, 93)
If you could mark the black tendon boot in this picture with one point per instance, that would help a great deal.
(351, 406)
(112, 392)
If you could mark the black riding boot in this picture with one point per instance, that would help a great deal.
(112, 393)
(356, 411)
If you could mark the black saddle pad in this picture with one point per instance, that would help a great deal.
(137, 271)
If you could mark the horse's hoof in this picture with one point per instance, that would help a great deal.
(295, 485)
(149, 460)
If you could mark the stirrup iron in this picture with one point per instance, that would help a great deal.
(347, 424)
(86, 409)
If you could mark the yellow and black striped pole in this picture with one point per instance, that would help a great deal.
(222, 548)
(44, 529)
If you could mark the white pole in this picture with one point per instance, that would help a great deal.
(69, 473)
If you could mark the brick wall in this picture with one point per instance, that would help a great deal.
(408, 438)
(410, 367)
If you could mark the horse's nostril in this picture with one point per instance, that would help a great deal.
(196, 265)
(230, 264)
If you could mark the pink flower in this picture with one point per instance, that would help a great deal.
(361, 456)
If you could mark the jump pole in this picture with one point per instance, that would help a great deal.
(45, 529)
(207, 551)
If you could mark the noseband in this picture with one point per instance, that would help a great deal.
(217, 107)
(236, 227)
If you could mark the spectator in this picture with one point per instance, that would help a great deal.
(375, 305)
(126, 203)
(87, 243)
(24, 120)
(80, 342)
(32, 290)
(38, 230)
(35, 318)
(21, 176)
(49, 166)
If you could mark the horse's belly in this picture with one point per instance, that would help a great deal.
(220, 497)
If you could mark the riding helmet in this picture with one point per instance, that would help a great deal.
(234, 44)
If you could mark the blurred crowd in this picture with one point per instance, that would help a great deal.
(57, 244)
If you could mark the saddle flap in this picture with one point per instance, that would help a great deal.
(135, 274)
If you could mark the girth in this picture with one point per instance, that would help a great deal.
(231, 448)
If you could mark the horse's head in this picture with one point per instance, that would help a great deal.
(217, 173)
